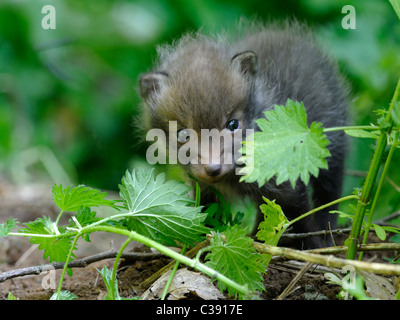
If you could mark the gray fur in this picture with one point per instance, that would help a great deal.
(201, 82)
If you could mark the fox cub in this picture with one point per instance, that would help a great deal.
(212, 83)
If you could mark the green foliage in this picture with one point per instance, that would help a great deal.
(272, 227)
(220, 214)
(72, 199)
(10, 296)
(396, 112)
(6, 228)
(92, 112)
(235, 257)
(380, 231)
(44, 232)
(63, 295)
(285, 147)
(161, 209)
(396, 6)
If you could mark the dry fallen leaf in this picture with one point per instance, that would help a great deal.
(185, 282)
(378, 287)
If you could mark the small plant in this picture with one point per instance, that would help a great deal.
(152, 211)
(159, 213)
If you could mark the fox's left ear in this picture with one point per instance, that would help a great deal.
(152, 83)
(246, 63)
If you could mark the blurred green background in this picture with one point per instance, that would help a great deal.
(68, 96)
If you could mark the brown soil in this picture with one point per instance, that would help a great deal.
(87, 284)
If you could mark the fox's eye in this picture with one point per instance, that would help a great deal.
(232, 124)
(183, 135)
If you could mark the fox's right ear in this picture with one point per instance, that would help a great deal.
(151, 84)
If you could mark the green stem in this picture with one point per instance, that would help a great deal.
(369, 183)
(66, 264)
(351, 128)
(114, 272)
(378, 190)
(351, 197)
(192, 263)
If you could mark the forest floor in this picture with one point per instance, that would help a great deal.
(29, 203)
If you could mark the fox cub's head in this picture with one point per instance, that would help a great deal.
(200, 96)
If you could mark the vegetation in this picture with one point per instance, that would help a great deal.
(67, 104)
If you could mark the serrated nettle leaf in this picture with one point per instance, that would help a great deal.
(236, 258)
(71, 199)
(161, 210)
(396, 6)
(285, 147)
(271, 228)
(6, 228)
(55, 248)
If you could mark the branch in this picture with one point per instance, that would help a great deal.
(329, 261)
(80, 263)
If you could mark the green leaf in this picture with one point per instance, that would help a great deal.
(161, 210)
(11, 297)
(272, 227)
(55, 248)
(380, 232)
(285, 147)
(358, 133)
(6, 228)
(84, 217)
(237, 259)
(64, 295)
(107, 278)
(73, 199)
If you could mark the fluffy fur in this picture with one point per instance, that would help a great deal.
(202, 82)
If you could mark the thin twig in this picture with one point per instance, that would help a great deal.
(329, 261)
(295, 236)
(80, 263)
(296, 279)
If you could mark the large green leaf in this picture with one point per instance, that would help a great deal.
(161, 210)
(235, 257)
(285, 147)
(72, 199)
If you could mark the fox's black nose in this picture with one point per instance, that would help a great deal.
(213, 170)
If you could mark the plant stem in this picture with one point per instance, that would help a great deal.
(66, 264)
(320, 208)
(378, 190)
(192, 263)
(369, 183)
(114, 272)
(351, 128)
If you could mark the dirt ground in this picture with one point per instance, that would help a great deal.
(87, 284)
